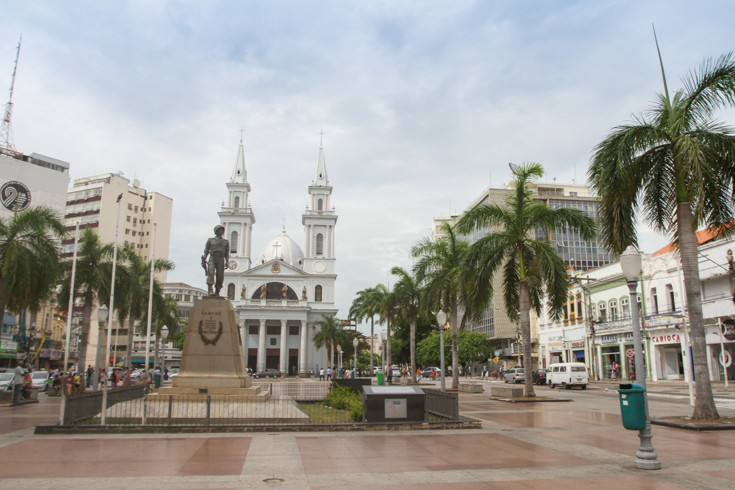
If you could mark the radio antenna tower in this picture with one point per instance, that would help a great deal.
(6, 134)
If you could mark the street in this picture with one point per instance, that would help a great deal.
(578, 443)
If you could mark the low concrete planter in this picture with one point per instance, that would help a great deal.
(470, 387)
(506, 391)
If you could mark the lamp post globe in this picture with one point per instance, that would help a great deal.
(164, 336)
(355, 343)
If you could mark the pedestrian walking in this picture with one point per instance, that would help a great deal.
(321, 374)
(17, 380)
(90, 373)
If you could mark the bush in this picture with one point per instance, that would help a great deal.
(343, 398)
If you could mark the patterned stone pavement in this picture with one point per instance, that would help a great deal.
(578, 444)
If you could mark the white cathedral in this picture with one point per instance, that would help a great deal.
(279, 296)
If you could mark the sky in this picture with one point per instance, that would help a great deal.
(420, 105)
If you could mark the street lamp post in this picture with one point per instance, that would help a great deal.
(441, 319)
(102, 313)
(339, 357)
(630, 262)
(164, 336)
(355, 343)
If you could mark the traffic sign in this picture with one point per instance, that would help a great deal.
(725, 358)
(495, 360)
(630, 353)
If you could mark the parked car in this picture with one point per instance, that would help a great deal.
(6, 381)
(39, 378)
(268, 373)
(568, 374)
(514, 375)
(426, 373)
(539, 376)
(137, 374)
(173, 372)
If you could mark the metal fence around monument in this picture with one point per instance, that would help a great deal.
(286, 404)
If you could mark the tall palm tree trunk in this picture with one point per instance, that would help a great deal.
(412, 341)
(704, 405)
(455, 344)
(524, 307)
(388, 361)
(84, 334)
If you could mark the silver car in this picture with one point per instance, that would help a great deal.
(39, 379)
(514, 375)
(6, 381)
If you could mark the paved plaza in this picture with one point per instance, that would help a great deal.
(576, 444)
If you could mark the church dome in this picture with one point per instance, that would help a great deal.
(282, 248)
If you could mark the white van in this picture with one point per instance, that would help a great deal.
(567, 374)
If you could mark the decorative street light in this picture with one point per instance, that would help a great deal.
(355, 343)
(630, 262)
(441, 319)
(164, 336)
(339, 356)
(102, 313)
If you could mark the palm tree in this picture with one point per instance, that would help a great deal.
(330, 334)
(531, 267)
(134, 294)
(164, 312)
(679, 161)
(93, 274)
(440, 269)
(407, 293)
(368, 304)
(29, 258)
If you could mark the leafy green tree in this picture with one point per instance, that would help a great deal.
(407, 294)
(29, 258)
(471, 347)
(676, 165)
(441, 271)
(330, 334)
(531, 268)
(93, 275)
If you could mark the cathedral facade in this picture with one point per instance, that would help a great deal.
(281, 294)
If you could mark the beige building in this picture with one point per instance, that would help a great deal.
(92, 202)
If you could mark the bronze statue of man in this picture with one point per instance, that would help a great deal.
(218, 250)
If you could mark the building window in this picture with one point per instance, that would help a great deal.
(320, 244)
(626, 308)
(233, 242)
(613, 310)
(293, 330)
(318, 293)
(670, 294)
(230, 291)
(603, 313)
(320, 205)
(237, 202)
(654, 301)
(273, 341)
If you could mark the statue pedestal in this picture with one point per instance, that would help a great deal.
(212, 360)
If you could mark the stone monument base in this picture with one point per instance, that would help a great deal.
(212, 360)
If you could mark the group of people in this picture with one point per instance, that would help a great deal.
(331, 373)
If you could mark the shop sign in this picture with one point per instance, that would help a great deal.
(628, 337)
(667, 338)
(728, 329)
(609, 339)
(8, 345)
(662, 320)
(577, 343)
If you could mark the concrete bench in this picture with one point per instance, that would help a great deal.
(6, 397)
(506, 391)
(470, 387)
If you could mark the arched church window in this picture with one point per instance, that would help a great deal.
(318, 293)
(237, 202)
(320, 205)
(230, 291)
(320, 244)
(233, 242)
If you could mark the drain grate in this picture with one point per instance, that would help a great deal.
(273, 480)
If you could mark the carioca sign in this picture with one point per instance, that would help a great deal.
(669, 338)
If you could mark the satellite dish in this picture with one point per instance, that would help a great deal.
(513, 168)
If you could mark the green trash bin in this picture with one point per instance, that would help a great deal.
(633, 406)
(380, 378)
(157, 380)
